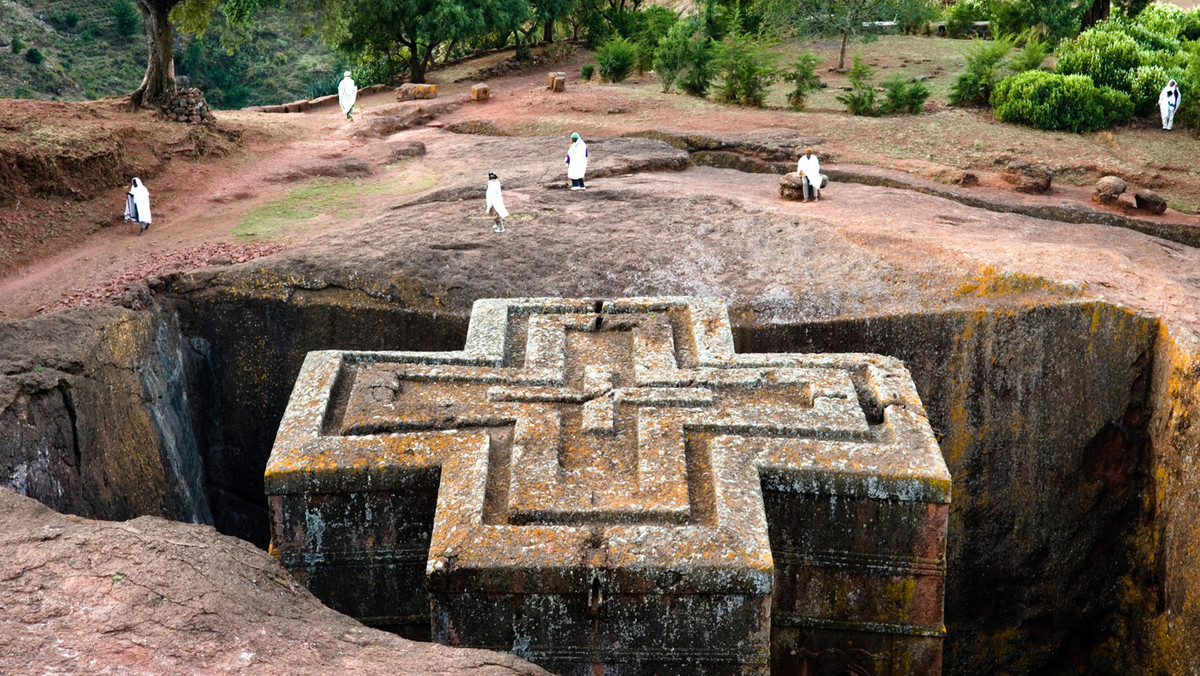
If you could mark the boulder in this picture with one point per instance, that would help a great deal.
(1108, 190)
(480, 92)
(791, 186)
(402, 150)
(164, 597)
(1032, 179)
(1148, 200)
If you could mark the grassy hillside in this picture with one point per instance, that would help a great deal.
(95, 49)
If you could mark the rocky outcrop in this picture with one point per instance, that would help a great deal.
(1033, 179)
(1108, 190)
(791, 186)
(188, 105)
(481, 127)
(403, 150)
(387, 120)
(156, 596)
(338, 167)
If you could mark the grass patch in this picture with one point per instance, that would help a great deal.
(339, 198)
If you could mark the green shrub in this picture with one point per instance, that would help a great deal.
(904, 95)
(524, 53)
(559, 51)
(1168, 21)
(1059, 102)
(684, 57)
(1106, 56)
(1054, 20)
(586, 71)
(125, 16)
(1031, 55)
(914, 17)
(746, 68)
(616, 59)
(645, 57)
(803, 78)
(34, 56)
(17, 45)
(860, 100)
(1145, 84)
(984, 70)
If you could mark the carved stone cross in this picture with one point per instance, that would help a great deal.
(610, 484)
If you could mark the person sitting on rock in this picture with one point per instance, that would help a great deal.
(495, 202)
(809, 168)
(1168, 103)
(347, 93)
(137, 205)
(577, 161)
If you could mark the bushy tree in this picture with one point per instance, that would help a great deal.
(860, 100)
(985, 68)
(843, 19)
(904, 95)
(746, 68)
(125, 18)
(34, 55)
(685, 58)
(615, 59)
(1053, 19)
(1103, 55)
(1059, 102)
(803, 77)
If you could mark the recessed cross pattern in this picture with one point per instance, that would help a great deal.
(600, 479)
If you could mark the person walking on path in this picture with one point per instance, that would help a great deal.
(347, 93)
(495, 202)
(577, 161)
(1168, 103)
(137, 205)
(809, 168)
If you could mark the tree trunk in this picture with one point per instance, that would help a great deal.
(548, 33)
(842, 53)
(1096, 13)
(159, 82)
(416, 64)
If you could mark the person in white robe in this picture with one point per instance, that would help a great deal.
(809, 167)
(137, 205)
(347, 93)
(1168, 102)
(577, 161)
(495, 202)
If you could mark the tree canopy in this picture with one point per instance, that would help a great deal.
(842, 19)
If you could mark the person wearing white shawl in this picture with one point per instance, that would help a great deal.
(495, 202)
(347, 93)
(809, 167)
(137, 205)
(1168, 103)
(577, 161)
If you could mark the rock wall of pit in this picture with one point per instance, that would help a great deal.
(96, 418)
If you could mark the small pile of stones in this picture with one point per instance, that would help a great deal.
(188, 105)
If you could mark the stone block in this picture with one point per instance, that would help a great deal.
(480, 92)
(791, 186)
(552, 76)
(609, 485)
(560, 84)
(1108, 190)
(1148, 200)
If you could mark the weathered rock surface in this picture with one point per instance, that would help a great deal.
(409, 91)
(791, 186)
(387, 120)
(156, 596)
(340, 167)
(402, 150)
(1108, 190)
(1033, 179)
(1148, 200)
(481, 127)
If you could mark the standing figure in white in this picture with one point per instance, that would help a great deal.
(577, 161)
(1168, 103)
(495, 202)
(347, 93)
(137, 205)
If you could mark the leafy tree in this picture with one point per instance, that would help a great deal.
(747, 68)
(419, 27)
(685, 57)
(803, 77)
(547, 12)
(860, 100)
(842, 19)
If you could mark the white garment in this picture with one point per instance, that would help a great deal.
(1168, 103)
(577, 159)
(137, 203)
(495, 200)
(347, 93)
(809, 167)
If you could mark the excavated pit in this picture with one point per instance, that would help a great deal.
(1065, 428)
